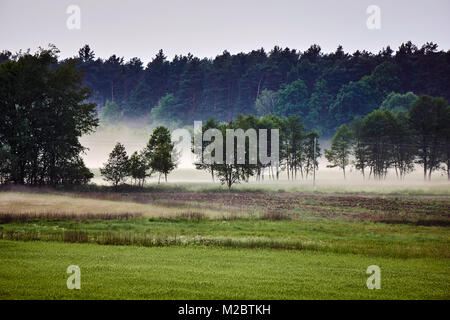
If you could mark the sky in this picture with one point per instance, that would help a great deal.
(205, 28)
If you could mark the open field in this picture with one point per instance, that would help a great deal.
(177, 243)
(327, 181)
(38, 270)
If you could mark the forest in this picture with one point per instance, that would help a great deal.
(47, 105)
(325, 89)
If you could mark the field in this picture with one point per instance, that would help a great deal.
(37, 270)
(200, 242)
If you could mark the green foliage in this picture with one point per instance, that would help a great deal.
(111, 112)
(384, 139)
(292, 99)
(430, 121)
(384, 80)
(402, 141)
(266, 103)
(117, 168)
(292, 148)
(230, 173)
(319, 104)
(296, 149)
(160, 152)
(326, 89)
(74, 172)
(139, 168)
(44, 113)
(397, 102)
(360, 152)
(201, 164)
(166, 108)
(139, 102)
(311, 140)
(341, 144)
(376, 130)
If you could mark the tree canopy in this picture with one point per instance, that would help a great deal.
(326, 89)
(44, 112)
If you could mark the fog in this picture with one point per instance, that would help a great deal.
(135, 137)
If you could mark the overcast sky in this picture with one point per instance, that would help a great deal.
(206, 28)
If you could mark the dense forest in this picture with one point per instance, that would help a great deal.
(325, 89)
(395, 138)
(381, 121)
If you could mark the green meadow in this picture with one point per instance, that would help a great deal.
(37, 270)
(221, 245)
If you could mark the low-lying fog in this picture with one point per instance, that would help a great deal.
(103, 140)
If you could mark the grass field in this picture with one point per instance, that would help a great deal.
(38, 270)
(185, 244)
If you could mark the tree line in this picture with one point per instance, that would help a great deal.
(157, 157)
(43, 113)
(406, 130)
(45, 109)
(325, 89)
(296, 153)
(296, 150)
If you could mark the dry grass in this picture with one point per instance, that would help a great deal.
(15, 217)
(46, 205)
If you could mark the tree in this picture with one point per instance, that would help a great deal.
(201, 164)
(402, 143)
(111, 112)
(156, 78)
(116, 169)
(319, 104)
(292, 99)
(376, 130)
(341, 146)
(167, 108)
(230, 173)
(44, 113)
(138, 168)
(397, 102)
(360, 150)
(86, 54)
(362, 97)
(266, 103)
(5, 164)
(139, 101)
(311, 140)
(354, 99)
(326, 89)
(446, 149)
(292, 152)
(269, 122)
(159, 151)
(429, 118)
(75, 172)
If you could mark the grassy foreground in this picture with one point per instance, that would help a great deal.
(214, 245)
(37, 270)
(313, 234)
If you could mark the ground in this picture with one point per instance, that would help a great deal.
(178, 243)
(37, 270)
